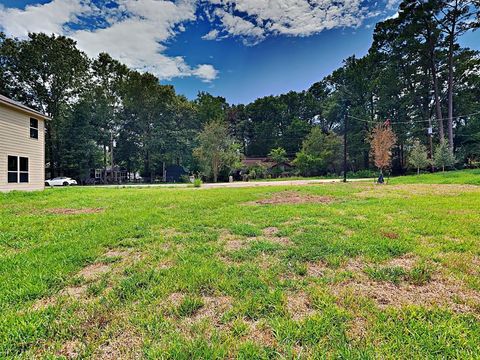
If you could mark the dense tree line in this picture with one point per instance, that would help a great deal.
(416, 76)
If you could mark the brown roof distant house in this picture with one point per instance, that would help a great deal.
(268, 163)
(22, 146)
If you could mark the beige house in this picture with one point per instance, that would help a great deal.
(22, 147)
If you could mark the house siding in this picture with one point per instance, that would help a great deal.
(15, 141)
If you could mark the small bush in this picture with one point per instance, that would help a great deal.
(197, 183)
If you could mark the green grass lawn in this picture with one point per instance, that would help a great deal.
(350, 270)
(471, 177)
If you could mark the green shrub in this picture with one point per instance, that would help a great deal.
(197, 182)
(360, 174)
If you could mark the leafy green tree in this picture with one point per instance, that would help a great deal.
(418, 156)
(455, 18)
(48, 73)
(80, 152)
(279, 155)
(210, 107)
(320, 154)
(148, 118)
(216, 150)
(109, 77)
(257, 171)
(443, 157)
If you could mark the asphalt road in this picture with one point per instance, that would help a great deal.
(240, 184)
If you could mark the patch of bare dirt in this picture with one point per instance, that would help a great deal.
(266, 261)
(261, 334)
(357, 328)
(298, 305)
(292, 197)
(349, 232)
(316, 269)
(169, 232)
(437, 292)
(94, 271)
(390, 235)
(65, 211)
(75, 291)
(175, 298)
(271, 234)
(410, 190)
(227, 260)
(127, 345)
(126, 255)
(233, 242)
(270, 231)
(211, 312)
(117, 253)
(165, 264)
(44, 303)
(213, 308)
(234, 245)
(71, 349)
(406, 261)
(463, 262)
(281, 240)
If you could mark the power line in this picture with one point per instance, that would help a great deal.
(414, 121)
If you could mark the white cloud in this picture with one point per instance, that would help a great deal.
(136, 31)
(206, 72)
(261, 18)
(211, 35)
(392, 4)
(237, 26)
(48, 18)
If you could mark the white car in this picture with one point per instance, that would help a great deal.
(60, 181)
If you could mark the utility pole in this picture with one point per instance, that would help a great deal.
(345, 125)
(430, 141)
(112, 173)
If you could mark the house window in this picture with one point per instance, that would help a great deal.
(17, 169)
(23, 174)
(12, 169)
(33, 128)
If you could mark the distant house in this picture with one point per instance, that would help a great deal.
(174, 173)
(271, 167)
(22, 146)
(109, 175)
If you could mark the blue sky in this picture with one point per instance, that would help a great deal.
(239, 49)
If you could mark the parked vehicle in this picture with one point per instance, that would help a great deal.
(60, 181)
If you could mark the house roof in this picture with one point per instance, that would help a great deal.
(254, 161)
(265, 161)
(19, 106)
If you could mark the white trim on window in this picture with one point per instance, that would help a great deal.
(18, 169)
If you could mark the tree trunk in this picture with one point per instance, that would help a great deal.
(436, 94)
(450, 86)
(104, 164)
(418, 170)
(147, 167)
